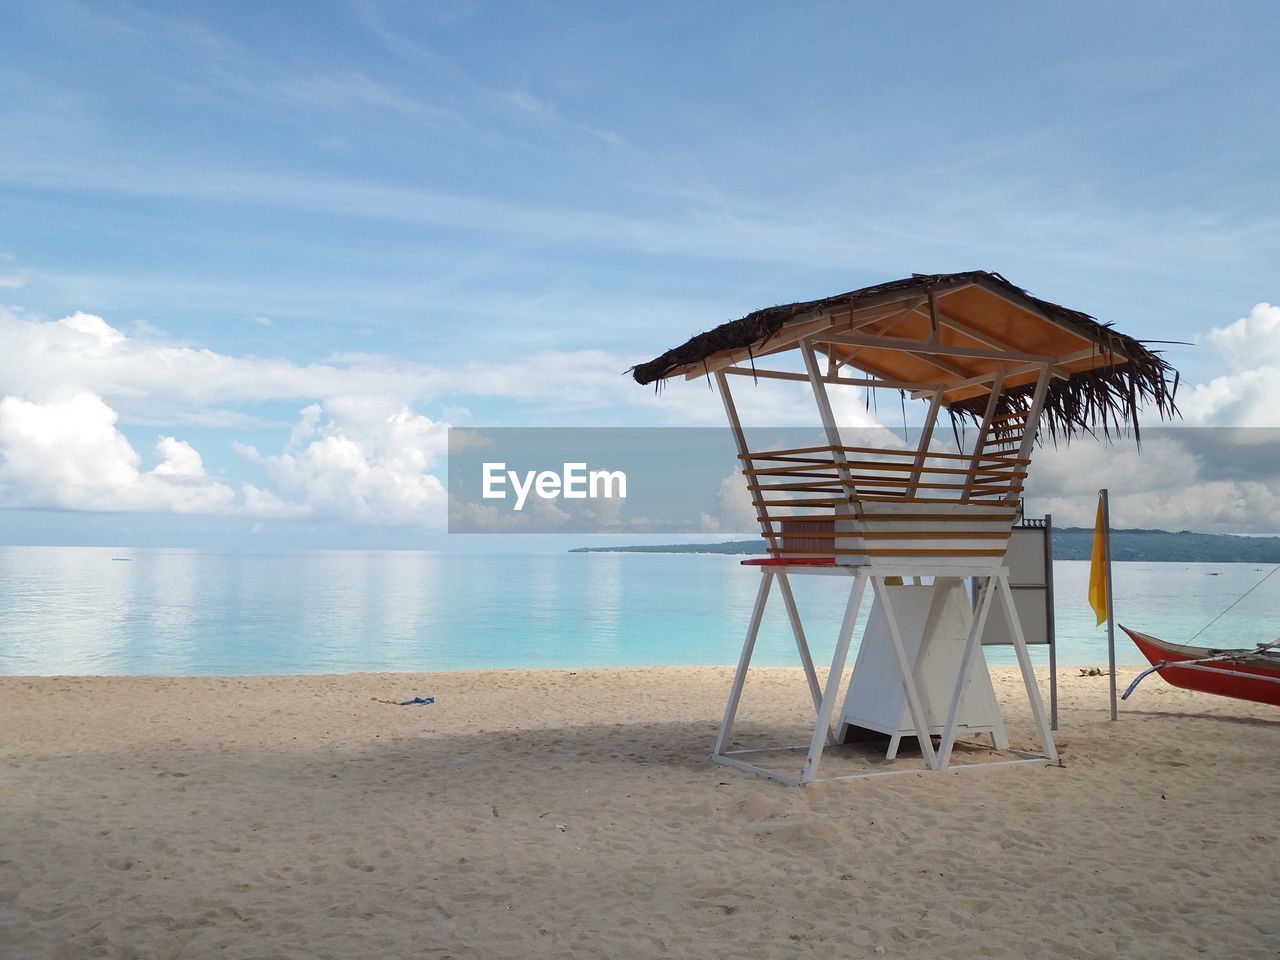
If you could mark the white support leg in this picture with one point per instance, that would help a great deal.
(1028, 675)
(918, 718)
(802, 645)
(977, 623)
(744, 661)
(821, 729)
(999, 737)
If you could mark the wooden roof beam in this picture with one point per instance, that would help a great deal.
(892, 322)
(701, 369)
(945, 365)
(789, 335)
(884, 374)
(961, 327)
(1057, 373)
(923, 388)
(925, 347)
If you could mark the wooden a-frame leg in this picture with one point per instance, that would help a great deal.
(895, 739)
(999, 737)
(918, 718)
(744, 661)
(802, 645)
(821, 729)
(1028, 675)
(977, 624)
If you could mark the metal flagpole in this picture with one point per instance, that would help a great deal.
(1111, 612)
(1051, 635)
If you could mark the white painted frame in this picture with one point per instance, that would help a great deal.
(936, 760)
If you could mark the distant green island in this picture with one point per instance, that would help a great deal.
(1069, 543)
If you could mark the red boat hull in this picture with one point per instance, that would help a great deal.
(1239, 684)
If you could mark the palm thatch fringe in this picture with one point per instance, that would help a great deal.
(1104, 401)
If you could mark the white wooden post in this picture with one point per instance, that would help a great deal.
(797, 629)
(977, 624)
(821, 729)
(926, 438)
(993, 399)
(744, 661)
(1028, 675)
(1033, 415)
(829, 425)
(744, 459)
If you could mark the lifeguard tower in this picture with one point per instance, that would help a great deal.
(914, 523)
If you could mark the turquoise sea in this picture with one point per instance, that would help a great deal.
(70, 610)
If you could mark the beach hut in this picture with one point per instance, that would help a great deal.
(914, 523)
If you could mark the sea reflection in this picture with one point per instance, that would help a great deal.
(602, 598)
(64, 611)
(78, 610)
(408, 608)
(164, 610)
(335, 611)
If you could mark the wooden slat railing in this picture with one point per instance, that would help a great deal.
(887, 503)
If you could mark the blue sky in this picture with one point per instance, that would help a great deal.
(404, 216)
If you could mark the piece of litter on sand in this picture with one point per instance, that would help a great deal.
(403, 703)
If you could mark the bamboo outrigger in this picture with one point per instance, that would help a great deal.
(989, 354)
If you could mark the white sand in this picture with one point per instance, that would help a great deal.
(556, 814)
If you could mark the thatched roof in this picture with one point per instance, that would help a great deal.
(1102, 376)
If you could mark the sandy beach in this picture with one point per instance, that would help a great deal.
(575, 814)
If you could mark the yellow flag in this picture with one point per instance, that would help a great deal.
(1098, 598)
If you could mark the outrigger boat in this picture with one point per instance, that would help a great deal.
(1245, 674)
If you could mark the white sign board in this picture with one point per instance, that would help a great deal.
(1029, 578)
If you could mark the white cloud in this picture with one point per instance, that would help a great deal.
(177, 459)
(1163, 486)
(358, 452)
(734, 510)
(264, 503)
(1248, 394)
(358, 460)
(1251, 341)
(68, 454)
(151, 381)
(97, 336)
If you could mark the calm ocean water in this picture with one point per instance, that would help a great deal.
(81, 611)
